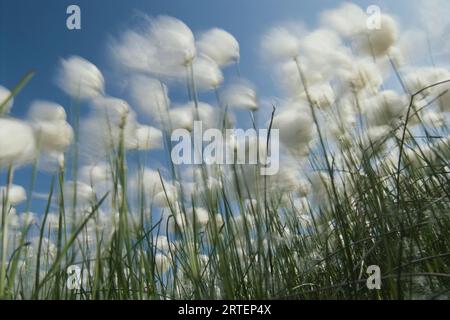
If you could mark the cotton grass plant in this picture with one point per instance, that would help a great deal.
(364, 178)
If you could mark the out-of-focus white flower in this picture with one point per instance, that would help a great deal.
(240, 95)
(54, 134)
(27, 218)
(134, 51)
(16, 195)
(347, 19)
(199, 215)
(46, 111)
(162, 263)
(289, 80)
(419, 157)
(320, 186)
(431, 82)
(53, 221)
(385, 108)
(163, 47)
(376, 138)
(219, 45)
(207, 74)
(48, 248)
(17, 143)
(421, 78)
(12, 219)
(289, 180)
(84, 192)
(150, 96)
(444, 101)
(322, 50)
(148, 138)
(322, 95)
(51, 161)
(184, 116)
(377, 41)
(161, 243)
(80, 78)
(4, 94)
(167, 198)
(102, 129)
(350, 21)
(173, 39)
(281, 43)
(363, 74)
(296, 128)
(434, 119)
(148, 181)
(95, 173)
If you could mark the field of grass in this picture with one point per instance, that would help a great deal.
(373, 190)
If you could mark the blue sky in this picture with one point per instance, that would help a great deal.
(33, 36)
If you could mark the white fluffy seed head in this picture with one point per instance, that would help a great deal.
(296, 128)
(80, 78)
(95, 173)
(16, 194)
(162, 263)
(84, 192)
(219, 45)
(240, 95)
(362, 75)
(161, 243)
(434, 119)
(173, 38)
(378, 41)
(200, 216)
(150, 96)
(422, 78)
(17, 143)
(148, 138)
(102, 129)
(183, 117)
(280, 43)
(167, 198)
(385, 108)
(54, 134)
(347, 19)
(207, 74)
(322, 95)
(46, 111)
(147, 181)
